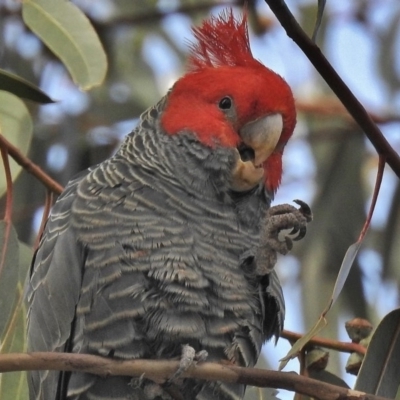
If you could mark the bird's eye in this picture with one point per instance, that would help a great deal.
(225, 103)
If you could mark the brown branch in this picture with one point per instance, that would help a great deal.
(160, 370)
(29, 166)
(347, 347)
(322, 65)
(377, 187)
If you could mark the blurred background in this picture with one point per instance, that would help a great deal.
(329, 163)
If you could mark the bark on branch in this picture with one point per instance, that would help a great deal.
(160, 370)
(30, 166)
(346, 347)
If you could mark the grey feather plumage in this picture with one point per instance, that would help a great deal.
(145, 252)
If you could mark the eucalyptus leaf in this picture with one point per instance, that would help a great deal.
(13, 385)
(321, 323)
(379, 373)
(348, 260)
(67, 32)
(300, 343)
(398, 394)
(22, 88)
(9, 274)
(16, 127)
(328, 377)
(321, 8)
(25, 259)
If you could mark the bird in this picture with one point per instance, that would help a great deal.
(170, 244)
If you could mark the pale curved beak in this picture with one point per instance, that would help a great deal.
(260, 137)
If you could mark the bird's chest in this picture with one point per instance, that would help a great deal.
(161, 267)
(199, 251)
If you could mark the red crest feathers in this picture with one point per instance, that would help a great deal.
(221, 41)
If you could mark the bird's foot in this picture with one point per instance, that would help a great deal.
(189, 357)
(284, 224)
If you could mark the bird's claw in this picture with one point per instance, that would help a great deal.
(189, 357)
(307, 213)
(284, 224)
(304, 209)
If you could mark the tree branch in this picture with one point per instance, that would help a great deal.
(29, 166)
(322, 65)
(347, 347)
(162, 369)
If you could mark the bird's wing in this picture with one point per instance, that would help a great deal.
(53, 291)
(274, 305)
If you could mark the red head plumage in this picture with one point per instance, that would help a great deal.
(221, 64)
(222, 41)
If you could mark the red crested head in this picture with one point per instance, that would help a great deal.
(228, 98)
(221, 42)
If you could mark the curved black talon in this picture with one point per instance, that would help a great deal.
(302, 233)
(305, 210)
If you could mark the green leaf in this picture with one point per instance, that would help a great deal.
(348, 260)
(321, 323)
(327, 377)
(321, 7)
(68, 34)
(16, 127)
(22, 88)
(300, 343)
(9, 274)
(397, 394)
(25, 259)
(379, 373)
(13, 385)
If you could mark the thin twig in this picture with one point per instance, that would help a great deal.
(29, 166)
(331, 77)
(347, 347)
(378, 182)
(160, 370)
